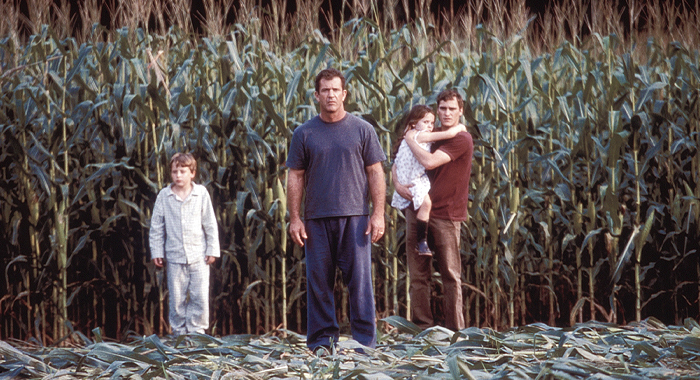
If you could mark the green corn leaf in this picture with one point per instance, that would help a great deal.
(402, 324)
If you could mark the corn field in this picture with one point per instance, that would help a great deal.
(585, 189)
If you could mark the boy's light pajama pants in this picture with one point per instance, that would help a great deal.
(188, 314)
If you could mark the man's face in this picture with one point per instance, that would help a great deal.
(449, 113)
(330, 95)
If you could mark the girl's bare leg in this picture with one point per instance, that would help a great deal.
(424, 210)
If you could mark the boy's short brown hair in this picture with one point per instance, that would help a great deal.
(185, 160)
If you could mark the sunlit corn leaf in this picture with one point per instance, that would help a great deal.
(624, 256)
(12, 354)
(402, 324)
(689, 345)
(646, 348)
(152, 341)
(436, 335)
(9, 372)
(110, 353)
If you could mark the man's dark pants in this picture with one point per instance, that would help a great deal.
(446, 238)
(339, 242)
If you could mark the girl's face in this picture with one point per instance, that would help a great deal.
(426, 123)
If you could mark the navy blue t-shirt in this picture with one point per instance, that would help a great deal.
(334, 157)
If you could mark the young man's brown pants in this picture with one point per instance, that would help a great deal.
(445, 236)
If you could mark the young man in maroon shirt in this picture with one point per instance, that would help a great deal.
(449, 167)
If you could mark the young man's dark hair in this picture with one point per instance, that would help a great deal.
(451, 94)
(329, 74)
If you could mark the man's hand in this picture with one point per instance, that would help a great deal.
(377, 190)
(402, 189)
(209, 260)
(376, 226)
(298, 231)
(158, 262)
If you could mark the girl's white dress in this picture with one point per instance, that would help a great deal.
(409, 170)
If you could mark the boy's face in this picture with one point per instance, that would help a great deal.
(182, 176)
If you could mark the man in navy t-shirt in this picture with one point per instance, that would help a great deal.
(337, 159)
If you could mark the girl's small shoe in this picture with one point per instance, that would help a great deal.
(423, 248)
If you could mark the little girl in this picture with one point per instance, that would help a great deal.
(409, 171)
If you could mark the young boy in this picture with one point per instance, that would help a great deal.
(184, 235)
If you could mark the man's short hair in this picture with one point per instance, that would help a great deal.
(450, 94)
(329, 74)
(185, 160)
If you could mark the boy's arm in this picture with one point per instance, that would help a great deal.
(440, 135)
(156, 234)
(211, 230)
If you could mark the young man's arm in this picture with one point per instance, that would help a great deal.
(425, 158)
(295, 190)
(377, 190)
